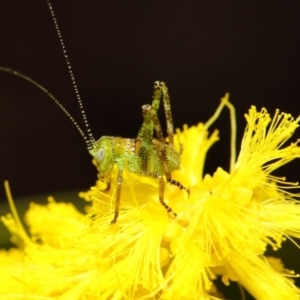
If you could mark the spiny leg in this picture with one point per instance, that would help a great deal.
(145, 135)
(161, 195)
(147, 128)
(179, 185)
(118, 196)
(168, 113)
(151, 122)
(146, 131)
(170, 130)
(161, 88)
(165, 159)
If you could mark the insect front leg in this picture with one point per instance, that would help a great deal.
(118, 196)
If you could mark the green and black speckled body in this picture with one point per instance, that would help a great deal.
(145, 155)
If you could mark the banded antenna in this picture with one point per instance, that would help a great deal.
(39, 86)
(90, 141)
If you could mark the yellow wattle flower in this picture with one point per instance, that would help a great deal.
(222, 228)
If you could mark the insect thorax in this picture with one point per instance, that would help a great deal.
(141, 158)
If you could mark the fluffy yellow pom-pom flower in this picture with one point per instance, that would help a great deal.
(222, 228)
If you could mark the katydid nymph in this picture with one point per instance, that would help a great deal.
(144, 155)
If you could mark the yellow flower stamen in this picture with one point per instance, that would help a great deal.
(222, 229)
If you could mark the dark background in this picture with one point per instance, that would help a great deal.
(202, 49)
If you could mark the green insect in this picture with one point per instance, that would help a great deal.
(144, 155)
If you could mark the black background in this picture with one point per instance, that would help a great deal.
(202, 49)
(117, 49)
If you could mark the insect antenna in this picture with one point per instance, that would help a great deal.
(43, 89)
(72, 77)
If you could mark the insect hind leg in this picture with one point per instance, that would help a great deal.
(161, 183)
(152, 112)
(161, 196)
(147, 128)
(160, 88)
(179, 185)
(168, 112)
(151, 120)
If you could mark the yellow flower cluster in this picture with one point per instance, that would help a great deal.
(222, 228)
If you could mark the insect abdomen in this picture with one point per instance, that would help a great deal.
(147, 159)
(173, 158)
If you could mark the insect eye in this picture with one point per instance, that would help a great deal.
(100, 154)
